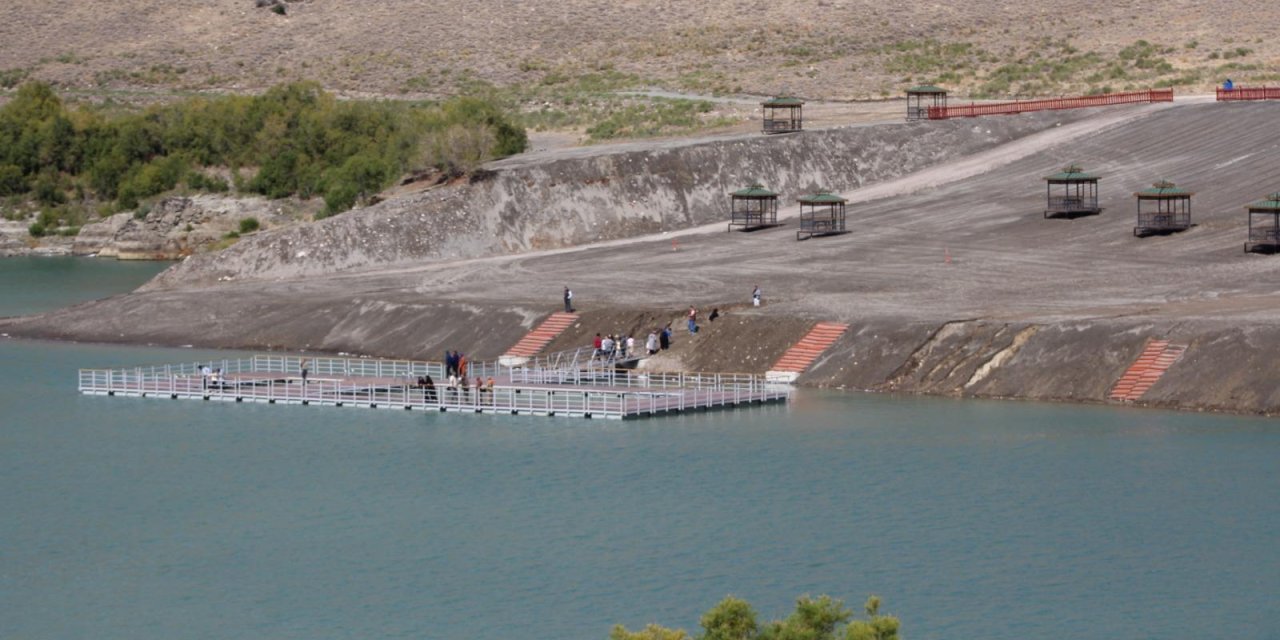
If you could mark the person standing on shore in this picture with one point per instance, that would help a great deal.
(651, 344)
(568, 299)
(693, 320)
(665, 337)
(630, 350)
(755, 296)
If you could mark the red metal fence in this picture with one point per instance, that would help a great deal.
(1024, 106)
(1250, 93)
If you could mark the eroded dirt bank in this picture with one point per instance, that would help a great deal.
(1228, 366)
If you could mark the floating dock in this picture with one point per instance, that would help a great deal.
(588, 390)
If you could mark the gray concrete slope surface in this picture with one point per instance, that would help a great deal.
(578, 196)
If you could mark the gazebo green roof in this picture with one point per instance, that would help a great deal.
(822, 197)
(1073, 173)
(756, 190)
(926, 88)
(782, 101)
(1272, 203)
(1164, 189)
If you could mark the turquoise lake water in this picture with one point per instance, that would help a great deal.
(132, 518)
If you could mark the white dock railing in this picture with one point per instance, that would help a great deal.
(394, 384)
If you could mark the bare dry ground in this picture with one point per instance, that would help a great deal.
(832, 49)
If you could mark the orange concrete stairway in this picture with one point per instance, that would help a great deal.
(535, 340)
(803, 353)
(1156, 358)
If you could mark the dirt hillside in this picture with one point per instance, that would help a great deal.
(816, 48)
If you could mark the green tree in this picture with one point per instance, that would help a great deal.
(12, 182)
(731, 619)
(813, 619)
(876, 626)
(650, 632)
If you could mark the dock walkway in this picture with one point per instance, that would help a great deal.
(594, 392)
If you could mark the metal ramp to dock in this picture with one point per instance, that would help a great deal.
(596, 392)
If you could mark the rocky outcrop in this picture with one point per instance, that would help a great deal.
(174, 228)
(12, 235)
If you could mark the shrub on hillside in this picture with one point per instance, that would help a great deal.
(302, 141)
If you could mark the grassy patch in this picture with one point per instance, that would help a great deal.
(655, 117)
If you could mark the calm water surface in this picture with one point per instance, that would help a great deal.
(130, 518)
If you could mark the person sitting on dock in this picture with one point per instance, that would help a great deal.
(428, 389)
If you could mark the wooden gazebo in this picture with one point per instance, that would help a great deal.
(821, 214)
(1071, 193)
(783, 115)
(753, 208)
(919, 99)
(1164, 208)
(1264, 225)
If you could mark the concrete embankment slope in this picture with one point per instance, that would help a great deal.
(951, 280)
(581, 196)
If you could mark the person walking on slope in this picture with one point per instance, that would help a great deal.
(693, 320)
(568, 299)
(665, 337)
(651, 344)
(755, 296)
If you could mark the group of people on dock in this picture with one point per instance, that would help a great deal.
(209, 377)
(458, 388)
(614, 347)
(455, 364)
